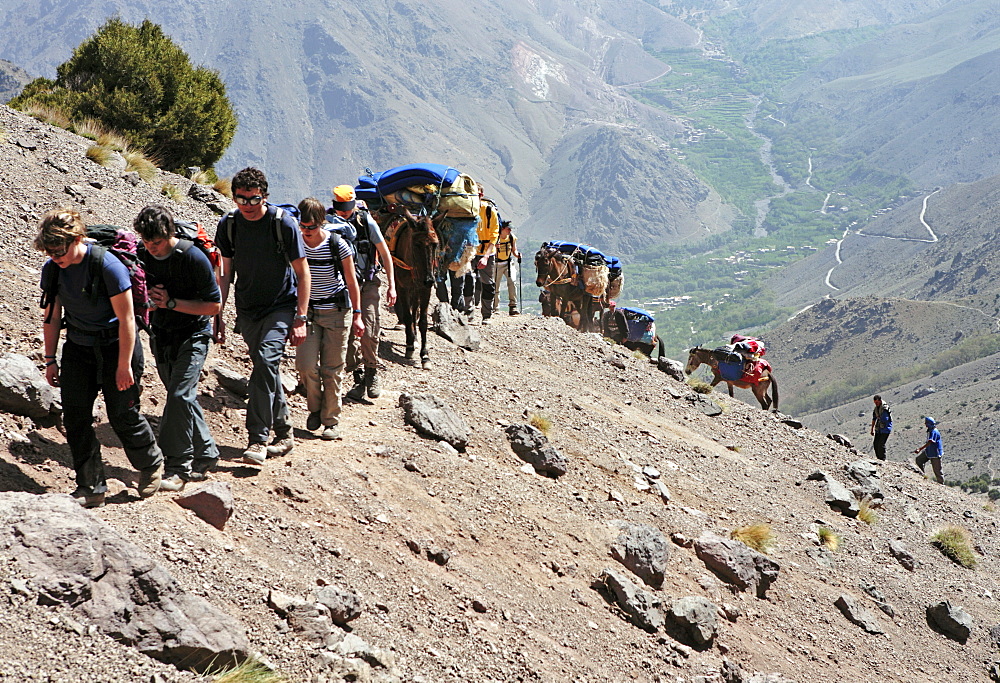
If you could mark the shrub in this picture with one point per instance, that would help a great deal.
(172, 191)
(224, 186)
(134, 79)
(757, 536)
(828, 538)
(541, 423)
(99, 154)
(47, 113)
(206, 177)
(115, 141)
(955, 543)
(700, 385)
(866, 514)
(89, 127)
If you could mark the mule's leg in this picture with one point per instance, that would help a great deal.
(425, 360)
(729, 384)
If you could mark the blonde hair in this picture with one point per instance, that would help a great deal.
(59, 227)
(311, 210)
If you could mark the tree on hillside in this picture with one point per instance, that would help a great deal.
(135, 80)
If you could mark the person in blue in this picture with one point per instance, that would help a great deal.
(101, 353)
(263, 251)
(186, 295)
(881, 426)
(932, 449)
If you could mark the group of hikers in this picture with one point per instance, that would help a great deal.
(296, 280)
(930, 452)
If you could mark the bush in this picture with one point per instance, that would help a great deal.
(700, 385)
(828, 538)
(541, 423)
(955, 544)
(134, 79)
(757, 536)
(865, 513)
(99, 154)
(172, 191)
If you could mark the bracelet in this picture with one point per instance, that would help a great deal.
(51, 362)
(356, 311)
(53, 357)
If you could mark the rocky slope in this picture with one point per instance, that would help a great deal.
(516, 598)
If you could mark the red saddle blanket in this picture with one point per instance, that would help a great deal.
(754, 370)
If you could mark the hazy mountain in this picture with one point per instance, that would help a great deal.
(500, 90)
(12, 79)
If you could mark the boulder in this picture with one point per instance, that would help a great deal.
(82, 563)
(344, 605)
(455, 327)
(953, 622)
(231, 381)
(841, 439)
(737, 563)
(857, 614)
(866, 480)
(212, 503)
(641, 607)
(902, 555)
(840, 498)
(672, 367)
(533, 447)
(697, 618)
(643, 550)
(203, 194)
(433, 417)
(24, 391)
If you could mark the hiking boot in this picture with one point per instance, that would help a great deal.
(255, 454)
(195, 476)
(331, 433)
(486, 320)
(312, 422)
(88, 500)
(281, 446)
(172, 483)
(372, 384)
(357, 392)
(513, 310)
(149, 481)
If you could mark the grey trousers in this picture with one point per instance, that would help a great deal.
(365, 351)
(320, 362)
(267, 408)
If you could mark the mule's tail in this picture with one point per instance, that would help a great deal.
(661, 353)
(774, 393)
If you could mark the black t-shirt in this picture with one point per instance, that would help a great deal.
(186, 274)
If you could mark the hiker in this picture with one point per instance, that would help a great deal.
(932, 449)
(89, 288)
(372, 258)
(263, 250)
(185, 294)
(506, 268)
(484, 260)
(881, 426)
(334, 315)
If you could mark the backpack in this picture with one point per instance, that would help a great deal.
(730, 364)
(279, 240)
(348, 232)
(124, 245)
(194, 234)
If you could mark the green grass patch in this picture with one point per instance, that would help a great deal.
(955, 543)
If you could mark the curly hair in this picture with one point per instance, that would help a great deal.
(154, 222)
(311, 210)
(59, 227)
(250, 178)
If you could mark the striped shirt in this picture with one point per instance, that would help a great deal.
(324, 272)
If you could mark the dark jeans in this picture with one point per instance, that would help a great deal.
(879, 445)
(485, 278)
(184, 437)
(84, 371)
(266, 406)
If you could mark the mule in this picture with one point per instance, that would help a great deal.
(414, 249)
(699, 356)
(556, 273)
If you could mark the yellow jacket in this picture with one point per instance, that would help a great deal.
(488, 229)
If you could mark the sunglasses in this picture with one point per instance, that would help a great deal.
(52, 253)
(252, 201)
(308, 226)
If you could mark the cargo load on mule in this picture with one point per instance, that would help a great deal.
(592, 265)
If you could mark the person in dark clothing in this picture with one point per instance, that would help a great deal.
(184, 289)
(881, 426)
(932, 449)
(272, 300)
(101, 353)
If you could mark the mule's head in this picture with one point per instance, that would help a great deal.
(542, 258)
(693, 361)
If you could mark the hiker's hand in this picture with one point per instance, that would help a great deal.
(358, 327)
(390, 295)
(219, 331)
(159, 296)
(298, 333)
(480, 263)
(124, 378)
(52, 375)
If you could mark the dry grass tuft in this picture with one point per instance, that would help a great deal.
(48, 114)
(90, 128)
(700, 385)
(115, 141)
(224, 186)
(206, 177)
(757, 536)
(250, 671)
(99, 154)
(828, 539)
(541, 423)
(137, 161)
(172, 191)
(866, 513)
(955, 543)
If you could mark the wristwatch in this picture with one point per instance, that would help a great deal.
(301, 318)
(171, 303)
